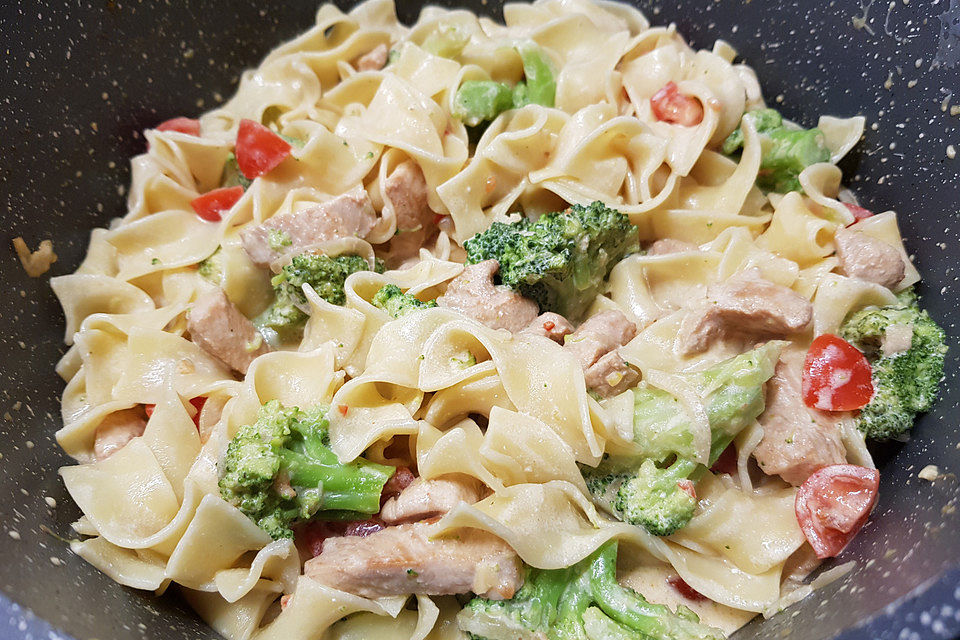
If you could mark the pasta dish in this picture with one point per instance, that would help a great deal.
(543, 329)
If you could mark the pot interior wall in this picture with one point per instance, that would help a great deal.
(80, 83)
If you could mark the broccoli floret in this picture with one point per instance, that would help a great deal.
(278, 239)
(285, 317)
(211, 268)
(786, 152)
(581, 602)
(905, 383)
(562, 260)
(655, 498)
(394, 301)
(280, 471)
(644, 490)
(479, 101)
(232, 176)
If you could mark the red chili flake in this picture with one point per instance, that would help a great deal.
(342, 408)
(148, 409)
(549, 325)
(685, 590)
(687, 487)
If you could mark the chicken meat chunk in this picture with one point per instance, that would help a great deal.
(745, 305)
(868, 258)
(666, 246)
(550, 325)
(116, 430)
(797, 440)
(595, 344)
(217, 326)
(373, 60)
(424, 499)
(474, 294)
(407, 559)
(347, 215)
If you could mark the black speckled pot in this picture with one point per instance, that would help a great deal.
(81, 81)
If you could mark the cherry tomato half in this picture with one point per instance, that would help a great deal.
(859, 213)
(258, 149)
(836, 376)
(211, 205)
(183, 125)
(669, 105)
(833, 504)
(197, 403)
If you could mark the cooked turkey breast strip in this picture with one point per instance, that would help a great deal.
(348, 215)
(666, 246)
(405, 559)
(116, 430)
(797, 440)
(865, 257)
(550, 325)
(218, 327)
(594, 344)
(428, 499)
(745, 305)
(373, 60)
(473, 294)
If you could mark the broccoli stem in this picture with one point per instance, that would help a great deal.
(481, 100)
(541, 87)
(582, 602)
(631, 609)
(346, 487)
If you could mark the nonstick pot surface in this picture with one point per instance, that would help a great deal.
(80, 82)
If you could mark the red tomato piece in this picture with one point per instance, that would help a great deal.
(198, 403)
(685, 589)
(859, 213)
(833, 504)
(669, 105)
(727, 461)
(183, 125)
(258, 149)
(836, 376)
(310, 536)
(212, 204)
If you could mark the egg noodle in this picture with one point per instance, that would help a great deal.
(520, 421)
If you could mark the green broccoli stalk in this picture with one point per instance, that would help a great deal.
(285, 318)
(479, 101)
(232, 176)
(394, 301)
(562, 260)
(643, 489)
(786, 152)
(280, 471)
(905, 383)
(447, 41)
(582, 602)
(211, 268)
